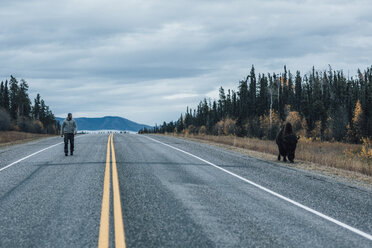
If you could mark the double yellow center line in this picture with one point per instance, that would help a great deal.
(105, 213)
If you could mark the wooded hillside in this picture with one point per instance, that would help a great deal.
(325, 105)
(19, 114)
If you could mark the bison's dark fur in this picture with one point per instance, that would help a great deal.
(287, 142)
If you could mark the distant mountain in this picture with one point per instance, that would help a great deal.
(106, 123)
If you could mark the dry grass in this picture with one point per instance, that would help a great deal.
(14, 137)
(337, 155)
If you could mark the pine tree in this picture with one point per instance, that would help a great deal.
(349, 103)
(263, 97)
(355, 127)
(252, 93)
(2, 95)
(291, 94)
(14, 97)
(317, 89)
(6, 96)
(42, 114)
(326, 94)
(212, 117)
(298, 92)
(281, 99)
(204, 112)
(368, 108)
(243, 101)
(180, 124)
(222, 104)
(242, 107)
(285, 88)
(308, 106)
(228, 104)
(337, 109)
(36, 108)
(234, 105)
(366, 101)
(319, 111)
(358, 121)
(24, 102)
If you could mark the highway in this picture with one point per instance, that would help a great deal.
(158, 191)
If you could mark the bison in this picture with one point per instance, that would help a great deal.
(287, 142)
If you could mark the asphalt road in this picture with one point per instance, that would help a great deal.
(175, 193)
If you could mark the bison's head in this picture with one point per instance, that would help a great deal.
(290, 144)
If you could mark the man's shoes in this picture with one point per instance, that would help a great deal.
(66, 154)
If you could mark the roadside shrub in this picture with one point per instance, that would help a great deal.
(352, 157)
(253, 127)
(203, 130)
(218, 128)
(270, 129)
(192, 129)
(51, 129)
(338, 123)
(5, 123)
(38, 126)
(25, 125)
(229, 126)
(366, 152)
(316, 133)
(225, 127)
(294, 118)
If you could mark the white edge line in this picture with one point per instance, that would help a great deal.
(350, 228)
(20, 160)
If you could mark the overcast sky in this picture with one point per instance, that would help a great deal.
(148, 60)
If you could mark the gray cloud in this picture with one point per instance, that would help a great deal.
(147, 60)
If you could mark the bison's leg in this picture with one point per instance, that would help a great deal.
(279, 157)
(284, 159)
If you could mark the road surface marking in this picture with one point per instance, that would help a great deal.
(118, 216)
(350, 228)
(103, 241)
(20, 160)
(104, 230)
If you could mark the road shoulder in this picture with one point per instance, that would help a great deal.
(11, 138)
(338, 174)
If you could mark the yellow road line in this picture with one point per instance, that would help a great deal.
(103, 240)
(118, 216)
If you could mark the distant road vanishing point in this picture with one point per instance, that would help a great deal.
(155, 191)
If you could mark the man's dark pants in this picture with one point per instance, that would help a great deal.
(69, 136)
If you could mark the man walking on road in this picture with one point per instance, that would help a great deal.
(69, 129)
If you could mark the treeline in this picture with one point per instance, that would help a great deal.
(324, 105)
(18, 113)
